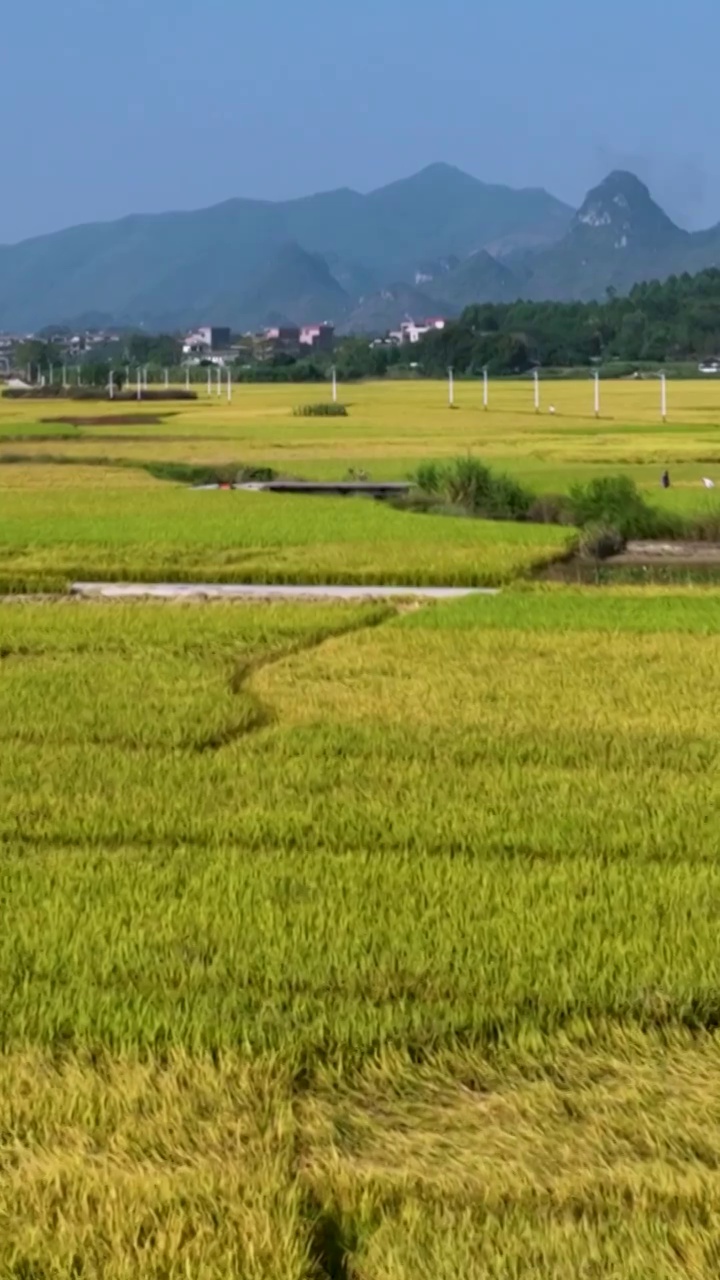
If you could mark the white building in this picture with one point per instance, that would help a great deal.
(412, 332)
(206, 339)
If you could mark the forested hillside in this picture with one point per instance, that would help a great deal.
(676, 320)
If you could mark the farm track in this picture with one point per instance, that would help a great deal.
(259, 591)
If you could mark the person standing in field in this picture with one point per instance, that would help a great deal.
(665, 479)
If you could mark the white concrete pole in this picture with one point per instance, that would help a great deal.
(111, 385)
(229, 385)
(485, 389)
(536, 387)
(167, 379)
(209, 379)
(219, 381)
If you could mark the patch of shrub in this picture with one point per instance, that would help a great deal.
(62, 460)
(429, 477)
(227, 473)
(551, 508)
(706, 527)
(96, 393)
(150, 393)
(255, 475)
(600, 541)
(507, 499)
(616, 501)
(419, 501)
(611, 506)
(469, 484)
(322, 410)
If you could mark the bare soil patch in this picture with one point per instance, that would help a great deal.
(647, 560)
(668, 553)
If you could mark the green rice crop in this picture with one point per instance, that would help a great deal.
(101, 530)
(349, 779)
(392, 426)
(347, 941)
(551, 608)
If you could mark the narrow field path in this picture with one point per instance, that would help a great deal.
(259, 591)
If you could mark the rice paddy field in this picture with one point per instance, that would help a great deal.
(354, 942)
(85, 501)
(59, 524)
(391, 426)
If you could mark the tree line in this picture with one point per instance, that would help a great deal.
(42, 356)
(676, 320)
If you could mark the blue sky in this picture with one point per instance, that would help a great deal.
(107, 109)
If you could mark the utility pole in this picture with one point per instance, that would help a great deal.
(485, 388)
(536, 384)
(663, 396)
(334, 384)
(597, 394)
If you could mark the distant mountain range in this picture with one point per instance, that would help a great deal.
(429, 244)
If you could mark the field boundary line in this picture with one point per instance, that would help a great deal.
(260, 714)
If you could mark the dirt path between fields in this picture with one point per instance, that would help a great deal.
(261, 591)
(668, 553)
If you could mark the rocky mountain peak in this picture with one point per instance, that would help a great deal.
(622, 210)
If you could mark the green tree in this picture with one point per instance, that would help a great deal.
(677, 319)
(160, 350)
(38, 357)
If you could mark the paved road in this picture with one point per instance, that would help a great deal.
(258, 591)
